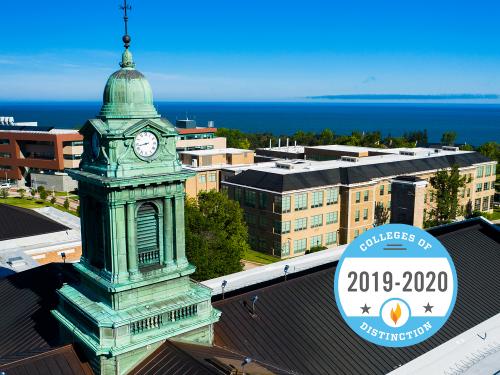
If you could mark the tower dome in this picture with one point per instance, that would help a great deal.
(127, 93)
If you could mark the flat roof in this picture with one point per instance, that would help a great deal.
(215, 151)
(196, 130)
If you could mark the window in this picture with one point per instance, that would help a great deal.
(263, 221)
(462, 193)
(299, 246)
(250, 198)
(468, 192)
(147, 235)
(488, 170)
(238, 194)
(251, 219)
(486, 186)
(365, 214)
(479, 172)
(366, 195)
(212, 177)
(282, 204)
(282, 227)
(332, 196)
(300, 224)
(356, 233)
(285, 249)
(477, 204)
(300, 201)
(425, 198)
(7, 155)
(4, 141)
(262, 200)
(5, 167)
(486, 203)
(358, 197)
(479, 187)
(316, 241)
(382, 189)
(356, 215)
(68, 156)
(316, 221)
(389, 189)
(317, 199)
(203, 179)
(332, 217)
(331, 238)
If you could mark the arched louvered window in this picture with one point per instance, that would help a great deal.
(148, 235)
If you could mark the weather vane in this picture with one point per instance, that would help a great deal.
(125, 7)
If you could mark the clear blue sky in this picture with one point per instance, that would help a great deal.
(251, 49)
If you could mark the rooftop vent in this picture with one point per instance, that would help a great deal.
(408, 153)
(350, 159)
(16, 262)
(450, 148)
(6, 120)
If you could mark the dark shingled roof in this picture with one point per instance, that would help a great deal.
(17, 222)
(350, 175)
(60, 361)
(299, 328)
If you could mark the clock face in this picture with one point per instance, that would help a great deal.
(145, 144)
(96, 145)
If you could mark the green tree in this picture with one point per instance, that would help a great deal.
(40, 189)
(490, 150)
(235, 138)
(448, 138)
(446, 186)
(216, 235)
(466, 147)
(327, 137)
(43, 195)
(33, 192)
(66, 204)
(53, 200)
(381, 214)
(21, 192)
(4, 193)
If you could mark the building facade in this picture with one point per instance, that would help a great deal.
(297, 205)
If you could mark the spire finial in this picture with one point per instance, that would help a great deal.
(126, 38)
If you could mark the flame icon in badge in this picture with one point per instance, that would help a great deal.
(396, 314)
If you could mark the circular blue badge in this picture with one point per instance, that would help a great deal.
(395, 285)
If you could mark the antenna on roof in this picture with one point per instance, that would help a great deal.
(254, 300)
(285, 270)
(223, 286)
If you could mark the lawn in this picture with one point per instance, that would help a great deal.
(32, 203)
(257, 257)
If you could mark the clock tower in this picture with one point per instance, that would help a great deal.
(134, 290)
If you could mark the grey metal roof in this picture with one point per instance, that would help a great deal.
(350, 175)
(299, 328)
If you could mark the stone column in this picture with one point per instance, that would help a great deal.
(131, 240)
(120, 246)
(83, 229)
(168, 232)
(180, 242)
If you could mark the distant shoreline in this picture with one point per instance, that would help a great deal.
(398, 97)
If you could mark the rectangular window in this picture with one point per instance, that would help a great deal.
(316, 221)
(479, 187)
(285, 249)
(300, 201)
(4, 141)
(203, 179)
(250, 198)
(356, 215)
(7, 155)
(486, 186)
(263, 221)
(488, 170)
(366, 195)
(237, 194)
(251, 219)
(317, 199)
(299, 246)
(356, 233)
(300, 224)
(316, 241)
(332, 196)
(212, 177)
(389, 189)
(468, 192)
(480, 172)
(331, 238)
(477, 204)
(365, 214)
(286, 205)
(358, 197)
(486, 203)
(282, 227)
(262, 200)
(332, 217)
(382, 189)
